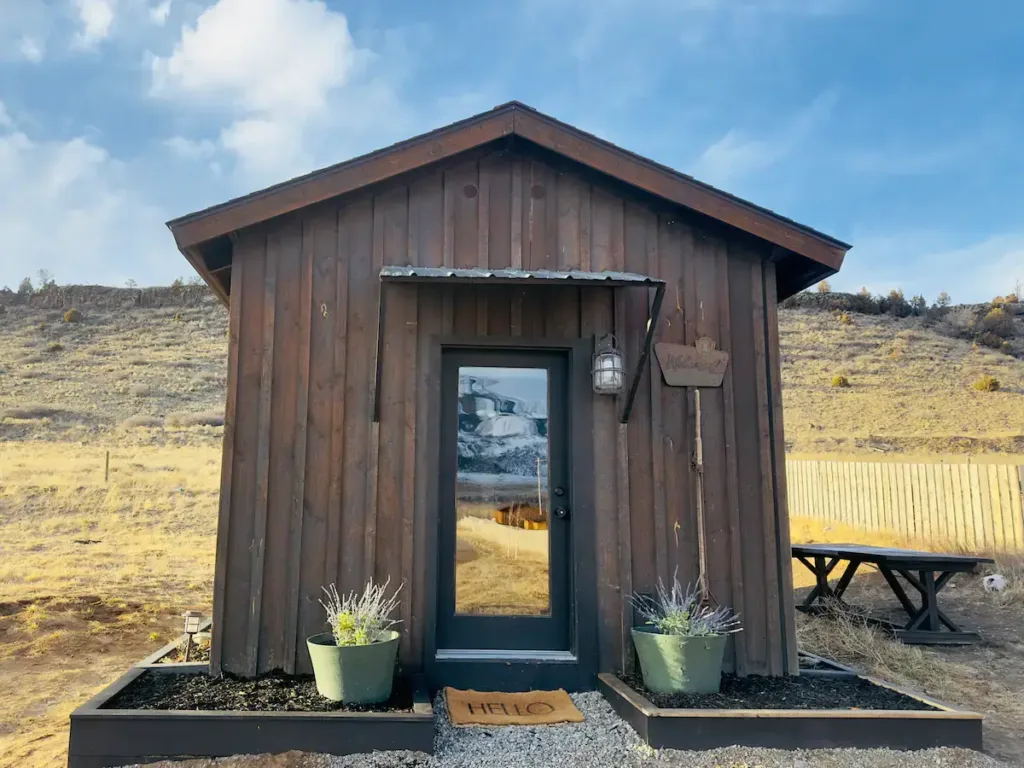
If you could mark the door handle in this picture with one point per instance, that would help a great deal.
(561, 513)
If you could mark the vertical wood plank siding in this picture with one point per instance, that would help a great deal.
(314, 493)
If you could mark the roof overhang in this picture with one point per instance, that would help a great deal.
(212, 228)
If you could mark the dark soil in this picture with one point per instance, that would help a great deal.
(784, 693)
(273, 692)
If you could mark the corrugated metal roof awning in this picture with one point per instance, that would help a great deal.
(508, 275)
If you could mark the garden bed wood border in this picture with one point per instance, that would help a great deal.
(103, 738)
(698, 729)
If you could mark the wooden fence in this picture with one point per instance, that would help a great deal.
(977, 506)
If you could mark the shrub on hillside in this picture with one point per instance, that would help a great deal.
(840, 381)
(990, 340)
(943, 301)
(986, 384)
(31, 411)
(999, 322)
(3, 309)
(1011, 298)
(832, 302)
(824, 287)
(54, 346)
(72, 316)
(203, 419)
(844, 319)
(1006, 348)
(134, 422)
(25, 287)
(959, 323)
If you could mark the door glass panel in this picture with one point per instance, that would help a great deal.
(501, 492)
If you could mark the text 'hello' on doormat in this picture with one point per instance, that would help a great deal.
(533, 708)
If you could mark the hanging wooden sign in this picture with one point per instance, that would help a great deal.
(698, 366)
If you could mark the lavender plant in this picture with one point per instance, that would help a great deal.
(360, 619)
(680, 612)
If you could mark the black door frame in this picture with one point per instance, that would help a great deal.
(577, 669)
(526, 633)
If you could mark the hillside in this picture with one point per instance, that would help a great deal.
(148, 367)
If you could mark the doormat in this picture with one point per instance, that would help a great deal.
(533, 708)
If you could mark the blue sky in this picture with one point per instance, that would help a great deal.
(895, 126)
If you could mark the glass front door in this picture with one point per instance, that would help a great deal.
(505, 503)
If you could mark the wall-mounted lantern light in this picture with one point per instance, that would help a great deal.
(609, 370)
(192, 619)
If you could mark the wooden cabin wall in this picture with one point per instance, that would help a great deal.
(315, 493)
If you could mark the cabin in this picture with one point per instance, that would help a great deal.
(517, 370)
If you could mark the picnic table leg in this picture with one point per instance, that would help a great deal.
(821, 573)
(931, 604)
(845, 579)
(897, 589)
(928, 603)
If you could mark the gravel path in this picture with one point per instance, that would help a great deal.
(603, 740)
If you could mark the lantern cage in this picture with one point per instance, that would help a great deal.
(609, 368)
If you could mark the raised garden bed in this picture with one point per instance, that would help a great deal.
(125, 723)
(791, 713)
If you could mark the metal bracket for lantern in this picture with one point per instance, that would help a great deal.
(520, 277)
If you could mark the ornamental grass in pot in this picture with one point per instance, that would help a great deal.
(354, 663)
(681, 644)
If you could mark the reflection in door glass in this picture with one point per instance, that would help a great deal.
(501, 492)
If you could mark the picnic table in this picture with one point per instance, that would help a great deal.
(925, 572)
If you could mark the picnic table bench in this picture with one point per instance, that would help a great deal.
(927, 624)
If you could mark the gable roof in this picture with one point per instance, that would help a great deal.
(201, 236)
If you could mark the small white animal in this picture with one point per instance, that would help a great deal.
(994, 583)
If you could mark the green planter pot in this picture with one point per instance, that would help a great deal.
(353, 674)
(674, 664)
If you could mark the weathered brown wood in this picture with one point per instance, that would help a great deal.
(284, 246)
(731, 470)
(625, 549)
(356, 562)
(716, 517)
(227, 466)
(787, 614)
(321, 514)
(338, 313)
(596, 320)
(749, 492)
(407, 531)
(675, 252)
(295, 523)
(764, 432)
(257, 547)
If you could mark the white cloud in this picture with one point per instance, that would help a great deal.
(737, 154)
(5, 119)
(159, 13)
(928, 262)
(31, 49)
(69, 207)
(96, 18)
(189, 149)
(277, 63)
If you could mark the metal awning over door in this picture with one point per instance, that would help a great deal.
(476, 276)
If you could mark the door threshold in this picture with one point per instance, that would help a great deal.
(491, 654)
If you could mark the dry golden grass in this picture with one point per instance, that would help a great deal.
(501, 570)
(93, 576)
(911, 388)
